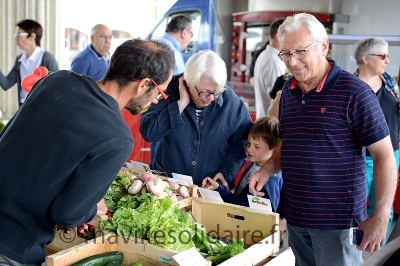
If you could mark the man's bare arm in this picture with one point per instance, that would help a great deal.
(385, 181)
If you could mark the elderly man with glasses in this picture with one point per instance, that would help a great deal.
(178, 36)
(201, 129)
(327, 117)
(94, 60)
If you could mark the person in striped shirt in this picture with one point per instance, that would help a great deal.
(327, 117)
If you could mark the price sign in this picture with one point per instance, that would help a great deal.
(190, 257)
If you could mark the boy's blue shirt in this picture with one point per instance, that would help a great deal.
(272, 190)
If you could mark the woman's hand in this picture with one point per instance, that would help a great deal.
(184, 94)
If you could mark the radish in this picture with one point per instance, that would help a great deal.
(184, 192)
(174, 186)
(155, 186)
(136, 187)
(146, 176)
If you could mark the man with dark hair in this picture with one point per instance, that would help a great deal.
(267, 69)
(72, 140)
(93, 61)
(178, 34)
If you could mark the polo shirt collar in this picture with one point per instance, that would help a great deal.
(91, 47)
(173, 41)
(329, 79)
(33, 55)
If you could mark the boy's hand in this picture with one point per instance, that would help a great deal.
(209, 183)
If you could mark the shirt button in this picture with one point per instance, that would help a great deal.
(194, 163)
(197, 142)
(303, 102)
(202, 123)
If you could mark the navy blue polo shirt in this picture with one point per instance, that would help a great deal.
(322, 156)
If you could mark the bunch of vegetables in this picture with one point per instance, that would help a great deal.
(129, 190)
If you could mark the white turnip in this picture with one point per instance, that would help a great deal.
(132, 178)
(183, 192)
(162, 195)
(174, 186)
(136, 187)
(166, 184)
(155, 186)
(146, 176)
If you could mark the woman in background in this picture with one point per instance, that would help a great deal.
(27, 36)
(372, 57)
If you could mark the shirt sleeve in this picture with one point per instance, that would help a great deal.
(88, 184)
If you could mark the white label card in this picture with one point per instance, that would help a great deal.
(259, 203)
(210, 194)
(137, 166)
(184, 178)
(190, 257)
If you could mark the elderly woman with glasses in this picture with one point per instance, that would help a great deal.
(372, 57)
(27, 36)
(201, 128)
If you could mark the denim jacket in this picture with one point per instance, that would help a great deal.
(215, 142)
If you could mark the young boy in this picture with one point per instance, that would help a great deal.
(263, 137)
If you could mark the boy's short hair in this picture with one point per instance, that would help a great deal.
(267, 129)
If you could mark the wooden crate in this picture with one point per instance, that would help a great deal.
(66, 240)
(255, 228)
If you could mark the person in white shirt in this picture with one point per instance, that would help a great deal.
(267, 69)
(27, 36)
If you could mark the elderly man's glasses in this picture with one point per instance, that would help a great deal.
(205, 95)
(161, 95)
(382, 56)
(19, 34)
(298, 54)
(104, 37)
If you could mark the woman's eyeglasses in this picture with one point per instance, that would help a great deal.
(382, 56)
(205, 95)
(20, 34)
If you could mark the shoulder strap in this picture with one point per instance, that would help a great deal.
(390, 85)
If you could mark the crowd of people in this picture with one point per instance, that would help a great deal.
(328, 142)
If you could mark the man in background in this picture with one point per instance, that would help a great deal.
(94, 60)
(267, 69)
(178, 34)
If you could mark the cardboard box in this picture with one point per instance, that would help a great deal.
(253, 225)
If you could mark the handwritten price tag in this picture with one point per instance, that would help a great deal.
(259, 203)
(190, 257)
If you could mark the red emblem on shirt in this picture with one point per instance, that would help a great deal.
(323, 110)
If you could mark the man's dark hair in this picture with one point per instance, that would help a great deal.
(178, 23)
(30, 26)
(138, 59)
(273, 29)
